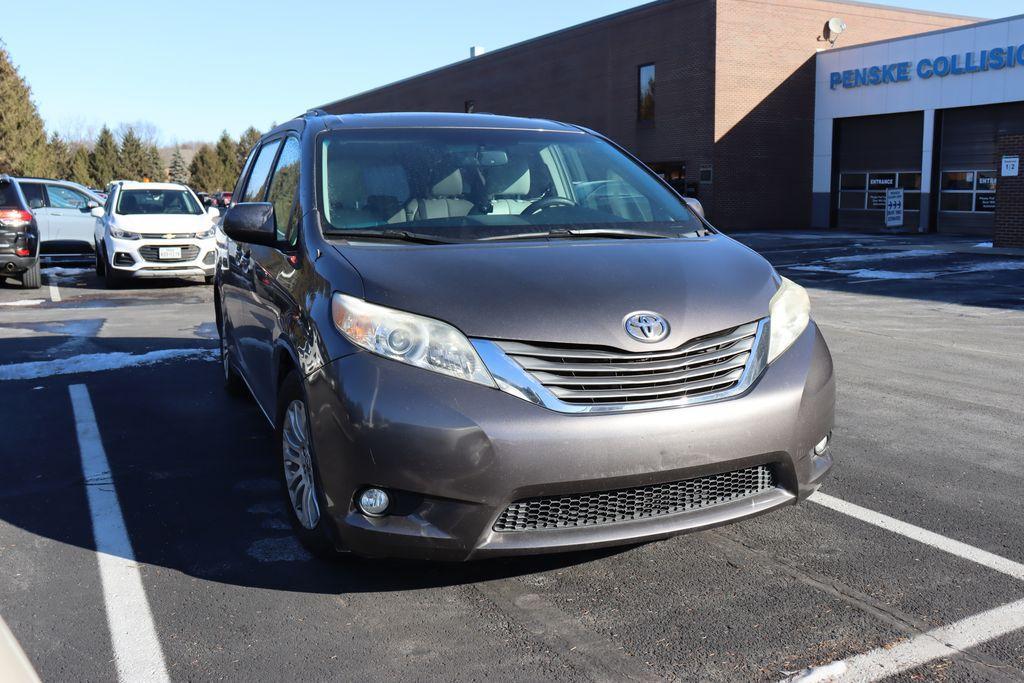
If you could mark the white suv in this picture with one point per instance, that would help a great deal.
(154, 230)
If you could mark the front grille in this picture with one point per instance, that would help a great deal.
(638, 503)
(152, 253)
(581, 375)
(655, 500)
(171, 236)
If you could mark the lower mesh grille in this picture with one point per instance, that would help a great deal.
(152, 253)
(655, 500)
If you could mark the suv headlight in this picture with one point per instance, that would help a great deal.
(408, 338)
(120, 234)
(206, 234)
(790, 311)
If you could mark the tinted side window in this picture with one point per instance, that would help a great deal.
(34, 195)
(65, 198)
(284, 186)
(8, 196)
(256, 186)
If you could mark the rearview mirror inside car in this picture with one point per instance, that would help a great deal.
(251, 222)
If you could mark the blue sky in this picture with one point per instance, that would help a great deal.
(194, 68)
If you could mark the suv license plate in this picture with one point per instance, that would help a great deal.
(167, 253)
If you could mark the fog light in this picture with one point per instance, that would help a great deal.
(820, 447)
(373, 502)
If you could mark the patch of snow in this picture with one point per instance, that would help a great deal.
(60, 270)
(992, 265)
(23, 302)
(884, 255)
(869, 274)
(987, 245)
(96, 362)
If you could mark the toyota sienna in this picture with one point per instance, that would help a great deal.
(479, 335)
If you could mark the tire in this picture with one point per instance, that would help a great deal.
(299, 475)
(111, 278)
(101, 262)
(32, 278)
(232, 380)
(208, 279)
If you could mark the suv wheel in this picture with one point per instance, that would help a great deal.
(298, 470)
(32, 278)
(101, 262)
(232, 382)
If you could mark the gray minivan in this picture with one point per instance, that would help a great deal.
(479, 335)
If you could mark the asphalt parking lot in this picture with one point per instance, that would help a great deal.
(911, 565)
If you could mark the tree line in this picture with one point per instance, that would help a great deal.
(25, 149)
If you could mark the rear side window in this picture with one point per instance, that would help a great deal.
(34, 195)
(256, 187)
(8, 196)
(283, 187)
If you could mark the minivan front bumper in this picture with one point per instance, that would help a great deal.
(455, 455)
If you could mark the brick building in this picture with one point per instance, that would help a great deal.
(731, 119)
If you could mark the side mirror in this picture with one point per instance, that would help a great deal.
(91, 204)
(695, 205)
(96, 211)
(213, 212)
(251, 222)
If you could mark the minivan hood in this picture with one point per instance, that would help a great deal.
(571, 291)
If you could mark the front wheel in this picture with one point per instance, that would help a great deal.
(232, 381)
(32, 278)
(101, 262)
(298, 469)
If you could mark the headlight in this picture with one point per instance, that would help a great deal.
(423, 342)
(205, 234)
(124, 234)
(790, 311)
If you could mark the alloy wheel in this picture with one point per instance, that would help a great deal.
(298, 465)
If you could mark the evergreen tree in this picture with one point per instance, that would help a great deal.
(206, 171)
(178, 170)
(79, 170)
(103, 164)
(155, 170)
(246, 142)
(227, 157)
(60, 156)
(132, 160)
(23, 148)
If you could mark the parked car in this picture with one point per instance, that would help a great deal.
(478, 335)
(62, 209)
(19, 236)
(222, 199)
(205, 198)
(154, 230)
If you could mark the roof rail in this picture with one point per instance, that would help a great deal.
(314, 112)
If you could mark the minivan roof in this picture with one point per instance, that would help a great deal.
(441, 120)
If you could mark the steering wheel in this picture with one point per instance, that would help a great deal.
(545, 203)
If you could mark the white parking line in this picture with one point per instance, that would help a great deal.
(967, 552)
(132, 632)
(54, 294)
(946, 641)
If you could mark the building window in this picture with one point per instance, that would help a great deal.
(968, 191)
(645, 93)
(866, 191)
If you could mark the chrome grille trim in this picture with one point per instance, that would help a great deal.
(639, 502)
(574, 379)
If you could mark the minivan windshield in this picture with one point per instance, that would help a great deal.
(471, 183)
(136, 202)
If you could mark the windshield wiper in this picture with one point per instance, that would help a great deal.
(398, 235)
(615, 233)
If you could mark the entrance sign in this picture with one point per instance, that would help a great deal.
(1011, 166)
(893, 208)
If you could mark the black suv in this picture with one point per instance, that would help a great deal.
(19, 236)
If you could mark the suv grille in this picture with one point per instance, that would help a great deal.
(655, 500)
(581, 375)
(152, 253)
